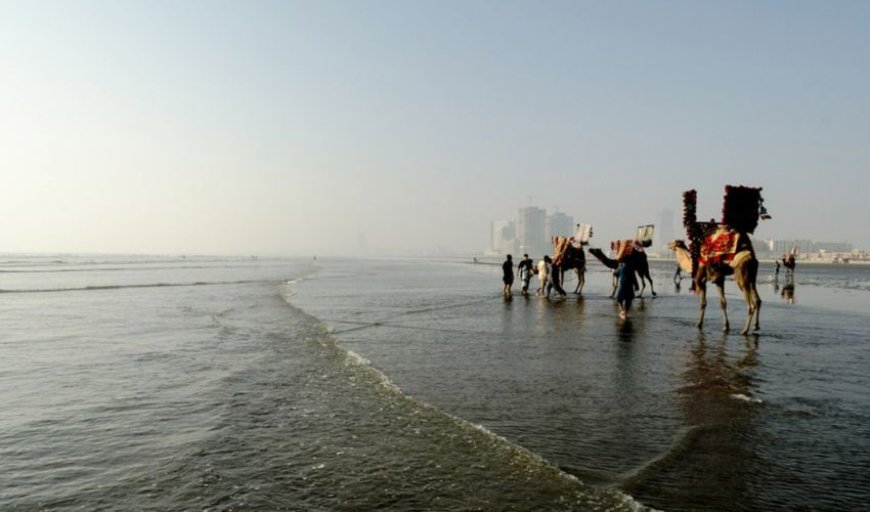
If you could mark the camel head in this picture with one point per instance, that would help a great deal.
(684, 259)
(600, 256)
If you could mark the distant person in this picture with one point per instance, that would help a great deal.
(626, 284)
(678, 276)
(776, 270)
(508, 277)
(543, 275)
(524, 269)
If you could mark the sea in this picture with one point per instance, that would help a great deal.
(164, 383)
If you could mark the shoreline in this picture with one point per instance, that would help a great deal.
(491, 260)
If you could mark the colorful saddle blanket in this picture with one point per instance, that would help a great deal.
(719, 246)
(623, 248)
(560, 248)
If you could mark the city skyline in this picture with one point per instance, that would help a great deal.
(664, 232)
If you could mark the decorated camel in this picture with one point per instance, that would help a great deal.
(632, 254)
(720, 249)
(788, 261)
(568, 254)
(635, 260)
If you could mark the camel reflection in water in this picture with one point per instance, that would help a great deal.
(710, 463)
(787, 290)
(788, 293)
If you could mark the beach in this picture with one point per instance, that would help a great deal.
(161, 383)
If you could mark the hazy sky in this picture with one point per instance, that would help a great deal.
(296, 127)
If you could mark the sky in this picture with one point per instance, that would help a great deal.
(298, 128)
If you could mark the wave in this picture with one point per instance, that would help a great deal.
(607, 498)
(119, 269)
(124, 286)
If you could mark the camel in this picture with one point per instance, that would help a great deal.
(744, 268)
(568, 255)
(722, 249)
(574, 258)
(636, 260)
(788, 261)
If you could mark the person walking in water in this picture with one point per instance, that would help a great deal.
(543, 275)
(508, 277)
(524, 269)
(555, 281)
(626, 284)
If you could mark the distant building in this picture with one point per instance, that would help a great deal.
(833, 247)
(762, 245)
(806, 249)
(532, 231)
(502, 237)
(664, 232)
(559, 224)
(785, 246)
(529, 233)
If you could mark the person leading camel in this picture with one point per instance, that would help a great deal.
(626, 284)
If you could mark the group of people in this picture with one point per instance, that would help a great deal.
(549, 275)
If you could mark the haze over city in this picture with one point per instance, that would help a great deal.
(300, 128)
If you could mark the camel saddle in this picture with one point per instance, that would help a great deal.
(560, 248)
(623, 248)
(719, 246)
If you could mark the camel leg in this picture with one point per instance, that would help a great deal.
(652, 289)
(581, 280)
(724, 303)
(750, 309)
(753, 302)
(746, 281)
(757, 308)
(642, 286)
(613, 292)
(701, 288)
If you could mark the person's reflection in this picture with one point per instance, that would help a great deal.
(625, 331)
(788, 293)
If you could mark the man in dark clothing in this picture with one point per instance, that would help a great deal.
(508, 279)
(555, 281)
(524, 269)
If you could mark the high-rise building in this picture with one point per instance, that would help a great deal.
(502, 237)
(559, 224)
(664, 231)
(531, 231)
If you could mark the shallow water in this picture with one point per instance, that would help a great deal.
(157, 383)
(679, 418)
